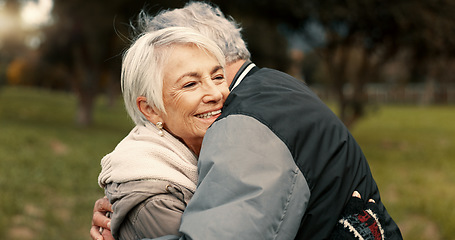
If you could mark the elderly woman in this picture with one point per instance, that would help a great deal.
(174, 88)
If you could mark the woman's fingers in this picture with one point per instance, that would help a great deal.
(95, 233)
(100, 220)
(102, 205)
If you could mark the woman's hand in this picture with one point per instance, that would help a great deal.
(100, 222)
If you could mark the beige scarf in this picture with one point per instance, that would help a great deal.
(145, 155)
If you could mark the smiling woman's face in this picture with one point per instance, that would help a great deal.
(194, 91)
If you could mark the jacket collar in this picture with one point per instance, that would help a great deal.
(240, 75)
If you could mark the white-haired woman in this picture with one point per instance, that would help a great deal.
(174, 88)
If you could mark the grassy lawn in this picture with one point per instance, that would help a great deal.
(49, 166)
(411, 151)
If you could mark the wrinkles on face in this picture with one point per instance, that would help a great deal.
(194, 85)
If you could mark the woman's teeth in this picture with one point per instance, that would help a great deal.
(209, 114)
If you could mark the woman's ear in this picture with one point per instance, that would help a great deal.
(150, 112)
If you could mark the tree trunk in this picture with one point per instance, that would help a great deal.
(85, 110)
(85, 85)
(356, 104)
(86, 93)
(336, 60)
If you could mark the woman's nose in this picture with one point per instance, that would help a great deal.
(212, 93)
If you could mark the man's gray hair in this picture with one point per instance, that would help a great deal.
(206, 19)
(143, 64)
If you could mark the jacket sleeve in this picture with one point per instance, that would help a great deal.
(157, 216)
(146, 208)
(249, 185)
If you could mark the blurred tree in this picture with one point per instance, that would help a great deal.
(87, 39)
(353, 38)
(267, 45)
(361, 36)
(10, 36)
(377, 31)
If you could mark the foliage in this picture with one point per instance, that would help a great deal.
(85, 45)
(49, 167)
(356, 39)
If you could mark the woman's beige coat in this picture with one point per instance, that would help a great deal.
(149, 178)
(147, 209)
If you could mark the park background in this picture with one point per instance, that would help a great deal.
(387, 69)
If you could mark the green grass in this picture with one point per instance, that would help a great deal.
(411, 152)
(49, 166)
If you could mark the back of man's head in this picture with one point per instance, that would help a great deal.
(206, 19)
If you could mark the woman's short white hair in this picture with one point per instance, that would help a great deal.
(206, 19)
(143, 63)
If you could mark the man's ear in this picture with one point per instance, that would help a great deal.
(150, 112)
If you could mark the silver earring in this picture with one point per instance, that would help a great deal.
(159, 125)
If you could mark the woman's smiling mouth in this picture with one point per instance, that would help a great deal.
(208, 114)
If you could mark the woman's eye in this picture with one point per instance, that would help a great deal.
(188, 85)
